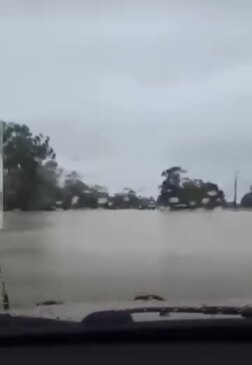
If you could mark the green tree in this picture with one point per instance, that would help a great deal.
(72, 188)
(173, 175)
(187, 191)
(170, 187)
(23, 156)
(48, 186)
(126, 199)
(192, 191)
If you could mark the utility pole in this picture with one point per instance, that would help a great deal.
(235, 189)
(1, 174)
(5, 298)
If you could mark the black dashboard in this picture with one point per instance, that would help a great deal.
(204, 342)
(132, 353)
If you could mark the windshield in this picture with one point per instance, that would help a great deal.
(125, 141)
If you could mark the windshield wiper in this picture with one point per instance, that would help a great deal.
(124, 316)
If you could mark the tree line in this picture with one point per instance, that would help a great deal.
(178, 191)
(33, 179)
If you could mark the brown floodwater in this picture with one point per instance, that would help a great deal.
(99, 255)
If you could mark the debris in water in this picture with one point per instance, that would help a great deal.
(50, 302)
(149, 297)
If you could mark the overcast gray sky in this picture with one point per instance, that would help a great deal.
(128, 88)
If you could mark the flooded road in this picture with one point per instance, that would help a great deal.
(78, 256)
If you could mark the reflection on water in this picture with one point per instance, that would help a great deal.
(79, 256)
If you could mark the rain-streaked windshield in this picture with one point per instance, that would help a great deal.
(126, 146)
